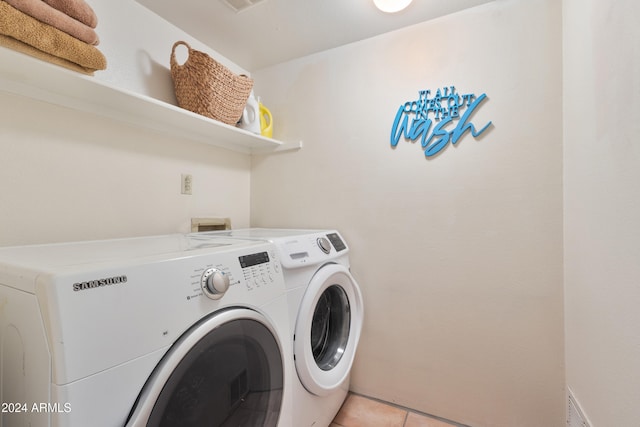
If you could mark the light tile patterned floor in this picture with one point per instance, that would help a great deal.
(359, 411)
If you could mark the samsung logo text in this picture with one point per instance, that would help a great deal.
(92, 284)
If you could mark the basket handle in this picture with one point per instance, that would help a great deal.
(174, 62)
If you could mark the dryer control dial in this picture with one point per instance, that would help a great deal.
(214, 283)
(324, 244)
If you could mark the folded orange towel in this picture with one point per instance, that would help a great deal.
(77, 9)
(18, 46)
(44, 37)
(49, 15)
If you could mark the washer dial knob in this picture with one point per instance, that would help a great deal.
(214, 283)
(324, 244)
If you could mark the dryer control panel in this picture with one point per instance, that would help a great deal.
(310, 249)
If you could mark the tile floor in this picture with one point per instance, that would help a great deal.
(360, 411)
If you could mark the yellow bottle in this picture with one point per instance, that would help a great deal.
(266, 121)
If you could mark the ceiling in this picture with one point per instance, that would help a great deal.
(274, 31)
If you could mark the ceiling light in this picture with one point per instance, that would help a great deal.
(240, 5)
(391, 6)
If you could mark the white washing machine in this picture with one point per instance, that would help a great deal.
(326, 313)
(176, 330)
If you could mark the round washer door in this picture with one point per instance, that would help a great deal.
(227, 370)
(328, 329)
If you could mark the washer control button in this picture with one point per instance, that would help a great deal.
(324, 244)
(214, 283)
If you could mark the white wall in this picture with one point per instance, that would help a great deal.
(460, 256)
(67, 175)
(602, 207)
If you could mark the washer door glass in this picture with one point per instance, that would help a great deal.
(330, 327)
(232, 375)
(327, 330)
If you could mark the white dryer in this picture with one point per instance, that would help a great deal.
(156, 331)
(326, 313)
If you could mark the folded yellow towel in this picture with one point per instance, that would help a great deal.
(77, 9)
(44, 37)
(49, 15)
(18, 46)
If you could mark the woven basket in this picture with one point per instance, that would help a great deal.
(206, 87)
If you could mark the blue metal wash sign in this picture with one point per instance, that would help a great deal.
(430, 115)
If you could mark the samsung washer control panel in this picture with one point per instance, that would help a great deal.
(234, 274)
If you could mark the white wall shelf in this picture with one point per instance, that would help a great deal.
(23, 75)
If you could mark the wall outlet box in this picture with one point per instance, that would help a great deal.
(186, 184)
